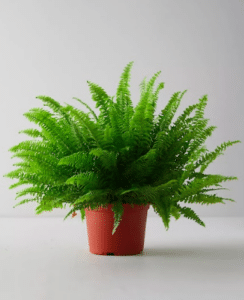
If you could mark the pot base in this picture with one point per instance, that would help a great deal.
(117, 254)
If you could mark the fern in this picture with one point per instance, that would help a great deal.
(123, 155)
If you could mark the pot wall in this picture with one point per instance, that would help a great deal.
(129, 236)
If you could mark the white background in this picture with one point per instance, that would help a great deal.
(53, 47)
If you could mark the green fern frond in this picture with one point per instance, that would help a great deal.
(143, 87)
(198, 184)
(36, 147)
(79, 160)
(89, 180)
(23, 164)
(155, 95)
(209, 157)
(190, 214)
(205, 199)
(117, 128)
(83, 214)
(87, 106)
(175, 212)
(201, 137)
(21, 182)
(79, 179)
(108, 138)
(182, 118)
(107, 158)
(102, 102)
(163, 209)
(92, 129)
(208, 190)
(68, 123)
(143, 106)
(201, 106)
(25, 201)
(123, 93)
(167, 114)
(91, 200)
(118, 211)
(44, 119)
(29, 190)
(33, 133)
(191, 151)
(39, 157)
(141, 123)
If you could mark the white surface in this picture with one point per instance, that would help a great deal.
(49, 259)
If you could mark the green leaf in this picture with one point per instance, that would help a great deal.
(209, 157)
(175, 212)
(83, 214)
(24, 201)
(108, 158)
(118, 210)
(87, 106)
(190, 214)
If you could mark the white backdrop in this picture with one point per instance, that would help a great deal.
(53, 47)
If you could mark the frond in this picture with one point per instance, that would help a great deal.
(38, 157)
(202, 198)
(201, 106)
(29, 190)
(79, 160)
(68, 125)
(175, 212)
(102, 102)
(44, 119)
(123, 93)
(21, 182)
(92, 129)
(141, 168)
(25, 201)
(87, 106)
(107, 158)
(190, 214)
(117, 127)
(108, 138)
(118, 211)
(36, 146)
(163, 209)
(91, 200)
(141, 123)
(89, 180)
(143, 87)
(209, 157)
(33, 133)
(197, 184)
(182, 118)
(155, 95)
(169, 111)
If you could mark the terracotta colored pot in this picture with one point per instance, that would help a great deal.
(129, 236)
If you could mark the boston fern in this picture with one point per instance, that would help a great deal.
(124, 155)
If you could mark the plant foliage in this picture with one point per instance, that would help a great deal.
(124, 155)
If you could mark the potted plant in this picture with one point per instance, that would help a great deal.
(112, 167)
